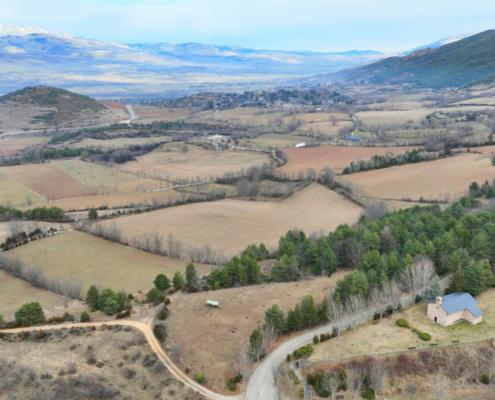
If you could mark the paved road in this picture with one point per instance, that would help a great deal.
(261, 386)
(155, 345)
(131, 112)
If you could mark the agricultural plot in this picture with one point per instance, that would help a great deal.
(430, 180)
(171, 163)
(13, 194)
(229, 327)
(92, 260)
(388, 336)
(116, 200)
(372, 118)
(231, 225)
(47, 180)
(101, 180)
(117, 143)
(148, 114)
(277, 140)
(339, 157)
(11, 145)
(317, 117)
(14, 293)
(326, 127)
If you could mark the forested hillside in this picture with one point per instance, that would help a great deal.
(453, 65)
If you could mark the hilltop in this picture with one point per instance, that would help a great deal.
(457, 64)
(41, 107)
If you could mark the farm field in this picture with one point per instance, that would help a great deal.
(317, 117)
(387, 335)
(15, 292)
(169, 162)
(100, 179)
(11, 145)
(339, 157)
(114, 200)
(93, 260)
(326, 128)
(47, 180)
(14, 194)
(117, 143)
(245, 115)
(148, 114)
(430, 180)
(229, 327)
(373, 118)
(231, 225)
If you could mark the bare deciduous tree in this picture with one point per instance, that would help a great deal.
(331, 383)
(440, 386)
(354, 380)
(336, 313)
(243, 363)
(416, 277)
(15, 227)
(269, 336)
(378, 377)
(375, 210)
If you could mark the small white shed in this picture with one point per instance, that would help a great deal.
(213, 304)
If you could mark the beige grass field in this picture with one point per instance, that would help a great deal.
(373, 118)
(300, 159)
(197, 162)
(326, 128)
(387, 335)
(430, 180)
(47, 180)
(114, 200)
(118, 142)
(231, 225)
(92, 260)
(148, 114)
(99, 178)
(222, 331)
(317, 117)
(13, 194)
(11, 145)
(14, 293)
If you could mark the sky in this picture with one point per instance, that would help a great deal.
(315, 25)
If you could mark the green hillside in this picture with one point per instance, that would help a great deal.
(454, 65)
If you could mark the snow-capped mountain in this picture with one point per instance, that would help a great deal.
(440, 43)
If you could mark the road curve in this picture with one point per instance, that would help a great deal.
(261, 385)
(153, 342)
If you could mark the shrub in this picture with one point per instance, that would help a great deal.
(159, 332)
(368, 394)
(485, 379)
(130, 296)
(403, 323)
(201, 378)
(297, 382)
(40, 335)
(316, 340)
(85, 317)
(335, 332)
(123, 314)
(418, 299)
(129, 373)
(424, 336)
(303, 351)
(30, 313)
(91, 360)
(68, 317)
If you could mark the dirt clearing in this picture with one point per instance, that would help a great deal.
(430, 180)
(95, 261)
(222, 331)
(231, 225)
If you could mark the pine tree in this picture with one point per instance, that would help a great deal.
(256, 344)
(457, 283)
(162, 283)
(92, 214)
(434, 289)
(263, 253)
(30, 313)
(294, 319)
(478, 276)
(309, 311)
(275, 316)
(191, 275)
(234, 273)
(85, 317)
(323, 310)
(253, 273)
(92, 297)
(178, 280)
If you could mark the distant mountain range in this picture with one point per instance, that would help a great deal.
(32, 56)
(464, 62)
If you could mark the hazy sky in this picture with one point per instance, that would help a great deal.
(318, 25)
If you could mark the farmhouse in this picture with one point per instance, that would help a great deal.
(454, 308)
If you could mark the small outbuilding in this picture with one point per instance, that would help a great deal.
(213, 304)
(453, 308)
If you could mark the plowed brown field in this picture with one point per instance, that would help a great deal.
(300, 159)
(231, 225)
(430, 180)
(47, 180)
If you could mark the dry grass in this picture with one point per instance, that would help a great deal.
(392, 117)
(196, 162)
(388, 336)
(92, 260)
(13, 194)
(430, 180)
(118, 142)
(148, 114)
(326, 128)
(300, 159)
(47, 180)
(118, 350)
(231, 225)
(99, 178)
(115, 200)
(14, 293)
(210, 339)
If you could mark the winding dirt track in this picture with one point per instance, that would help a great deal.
(153, 342)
